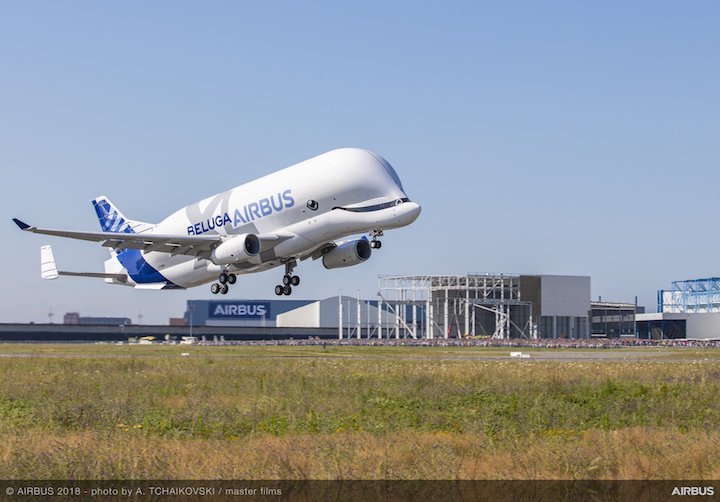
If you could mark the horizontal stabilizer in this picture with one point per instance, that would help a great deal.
(96, 275)
(48, 269)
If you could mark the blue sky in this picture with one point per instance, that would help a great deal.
(540, 137)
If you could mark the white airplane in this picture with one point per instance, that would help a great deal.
(280, 219)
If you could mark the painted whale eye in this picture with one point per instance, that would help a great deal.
(313, 205)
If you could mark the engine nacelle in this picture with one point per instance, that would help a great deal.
(348, 254)
(238, 248)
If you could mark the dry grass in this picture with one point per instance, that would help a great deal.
(632, 453)
(296, 413)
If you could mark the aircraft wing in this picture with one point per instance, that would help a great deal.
(199, 246)
(193, 245)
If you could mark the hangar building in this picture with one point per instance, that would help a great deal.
(355, 315)
(359, 318)
(609, 319)
(426, 306)
(489, 305)
(689, 309)
(256, 313)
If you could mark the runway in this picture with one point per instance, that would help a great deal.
(363, 352)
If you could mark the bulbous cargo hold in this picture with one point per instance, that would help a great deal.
(236, 249)
(348, 254)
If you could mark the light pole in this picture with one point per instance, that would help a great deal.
(191, 307)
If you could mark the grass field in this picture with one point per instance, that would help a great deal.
(144, 412)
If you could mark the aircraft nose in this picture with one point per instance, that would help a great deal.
(407, 212)
(414, 210)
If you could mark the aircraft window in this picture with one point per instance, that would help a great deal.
(313, 205)
(376, 207)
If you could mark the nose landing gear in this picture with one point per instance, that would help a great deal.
(375, 243)
(288, 280)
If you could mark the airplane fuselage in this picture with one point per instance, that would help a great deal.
(305, 207)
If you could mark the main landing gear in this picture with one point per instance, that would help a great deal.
(223, 284)
(289, 280)
(375, 243)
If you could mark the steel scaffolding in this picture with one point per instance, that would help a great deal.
(695, 295)
(456, 306)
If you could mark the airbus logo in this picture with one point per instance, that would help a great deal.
(239, 309)
(694, 491)
(245, 214)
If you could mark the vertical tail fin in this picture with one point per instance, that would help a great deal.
(112, 220)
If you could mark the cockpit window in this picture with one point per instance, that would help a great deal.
(390, 171)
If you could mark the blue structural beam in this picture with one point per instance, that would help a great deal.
(694, 295)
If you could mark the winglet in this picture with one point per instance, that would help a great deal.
(48, 269)
(21, 224)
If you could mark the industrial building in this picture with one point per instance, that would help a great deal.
(353, 317)
(476, 305)
(253, 313)
(613, 319)
(76, 318)
(426, 306)
(691, 296)
(489, 305)
(352, 313)
(689, 309)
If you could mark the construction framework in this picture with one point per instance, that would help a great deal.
(456, 306)
(691, 296)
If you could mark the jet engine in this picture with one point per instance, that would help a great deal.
(347, 254)
(238, 248)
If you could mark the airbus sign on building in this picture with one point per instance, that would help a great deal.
(238, 312)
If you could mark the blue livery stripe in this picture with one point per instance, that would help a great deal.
(138, 268)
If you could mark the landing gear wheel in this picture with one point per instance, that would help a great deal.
(375, 244)
(223, 278)
(224, 289)
(289, 280)
(232, 278)
(215, 288)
